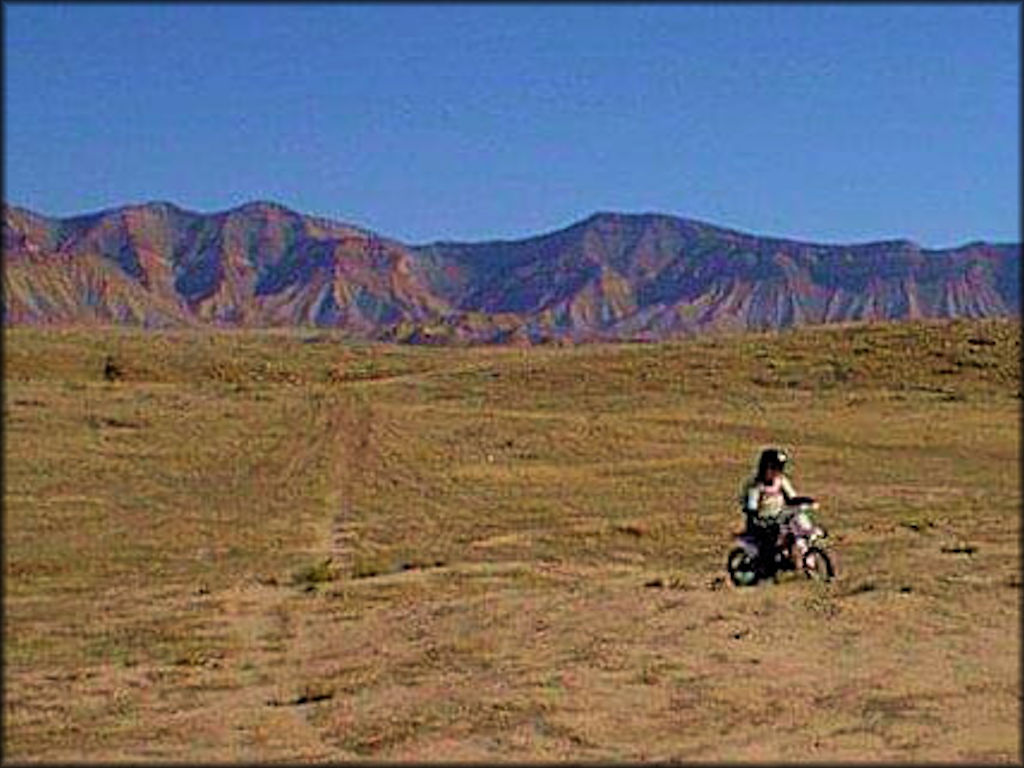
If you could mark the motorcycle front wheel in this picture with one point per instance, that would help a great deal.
(818, 565)
(742, 568)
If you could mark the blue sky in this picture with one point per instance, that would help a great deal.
(828, 123)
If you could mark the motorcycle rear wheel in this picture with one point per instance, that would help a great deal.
(818, 565)
(742, 568)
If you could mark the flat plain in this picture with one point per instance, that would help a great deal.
(286, 546)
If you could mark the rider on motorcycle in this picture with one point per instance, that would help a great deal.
(765, 496)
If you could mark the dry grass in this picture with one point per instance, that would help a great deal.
(281, 546)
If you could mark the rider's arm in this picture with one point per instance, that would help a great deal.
(788, 492)
(751, 499)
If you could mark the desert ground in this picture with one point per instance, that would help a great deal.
(288, 546)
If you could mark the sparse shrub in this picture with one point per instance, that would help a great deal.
(860, 589)
(916, 524)
(307, 694)
(961, 548)
(635, 528)
(318, 573)
(648, 674)
(225, 373)
(112, 370)
(198, 657)
(311, 692)
(417, 564)
(368, 566)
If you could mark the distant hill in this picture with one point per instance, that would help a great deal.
(609, 277)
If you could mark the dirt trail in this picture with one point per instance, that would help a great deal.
(232, 692)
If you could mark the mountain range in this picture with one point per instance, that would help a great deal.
(611, 276)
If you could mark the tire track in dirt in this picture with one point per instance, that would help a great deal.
(331, 433)
(251, 702)
(347, 432)
(330, 436)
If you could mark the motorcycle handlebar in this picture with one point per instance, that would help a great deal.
(802, 501)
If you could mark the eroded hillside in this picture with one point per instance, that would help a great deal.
(610, 277)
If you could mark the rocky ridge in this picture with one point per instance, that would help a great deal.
(610, 277)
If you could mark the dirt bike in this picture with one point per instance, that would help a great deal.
(797, 544)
